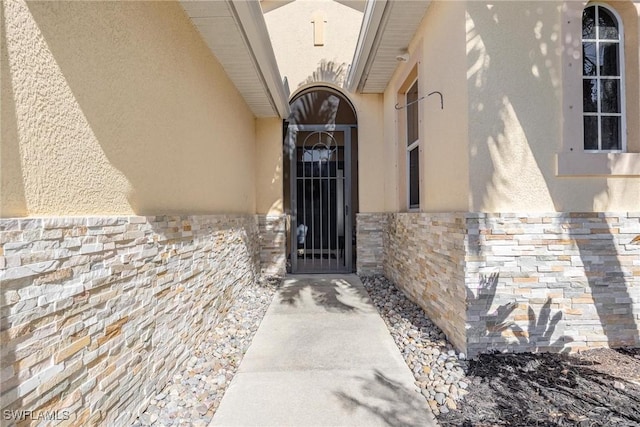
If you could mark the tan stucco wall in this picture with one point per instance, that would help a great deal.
(391, 154)
(443, 132)
(292, 35)
(507, 88)
(518, 113)
(269, 171)
(372, 160)
(514, 104)
(445, 149)
(118, 107)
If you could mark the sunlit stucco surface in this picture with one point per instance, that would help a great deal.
(518, 121)
(291, 28)
(514, 104)
(269, 171)
(118, 107)
(445, 148)
(443, 131)
(372, 160)
(494, 147)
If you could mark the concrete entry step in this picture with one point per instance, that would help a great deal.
(323, 357)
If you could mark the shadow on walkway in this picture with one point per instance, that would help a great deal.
(386, 399)
(323, 357)
(335, 295)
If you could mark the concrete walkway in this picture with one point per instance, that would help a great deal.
(323, 357)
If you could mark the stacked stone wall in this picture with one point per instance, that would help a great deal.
(97, 313)
(273, 237)
(552, 282)
(424, 256)
(370, 243)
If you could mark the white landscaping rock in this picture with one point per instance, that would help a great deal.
(192, 395)
(437, 367)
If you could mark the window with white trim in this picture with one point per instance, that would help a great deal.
(603, 80)
(413, 147)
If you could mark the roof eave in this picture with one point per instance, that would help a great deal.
(375, 15)
(250, 20)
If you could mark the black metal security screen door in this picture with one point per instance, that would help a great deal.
(321, 229)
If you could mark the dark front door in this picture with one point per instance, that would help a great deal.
(321, 229)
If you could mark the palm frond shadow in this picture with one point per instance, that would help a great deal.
(328, 72)
(539, 331)
(315, 107)
(332, 295)
(388, 400)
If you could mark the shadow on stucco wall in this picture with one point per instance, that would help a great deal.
(514, 99)
(118, 108)
(12, 200)
(163, 129)
(327, 72)
(514, 87)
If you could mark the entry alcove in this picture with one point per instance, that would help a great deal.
(321, 182)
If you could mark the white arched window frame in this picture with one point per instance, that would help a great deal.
(603, 82)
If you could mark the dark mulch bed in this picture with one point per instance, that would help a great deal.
(593, 388)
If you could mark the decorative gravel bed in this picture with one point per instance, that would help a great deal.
(437, 368)
(599, 387)
(193, 395)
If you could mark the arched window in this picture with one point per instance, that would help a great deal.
(602, 80)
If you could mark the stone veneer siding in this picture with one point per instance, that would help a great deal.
(424, 255)
(370, 246)
(552, 282)
(98, 312)
(273, 238)
(519, 282)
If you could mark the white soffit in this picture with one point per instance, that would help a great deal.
(358, 5)
(236, 33)
(388, 27)
(269, 5)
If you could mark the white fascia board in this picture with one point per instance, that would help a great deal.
(375, 15)
(250, 19)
